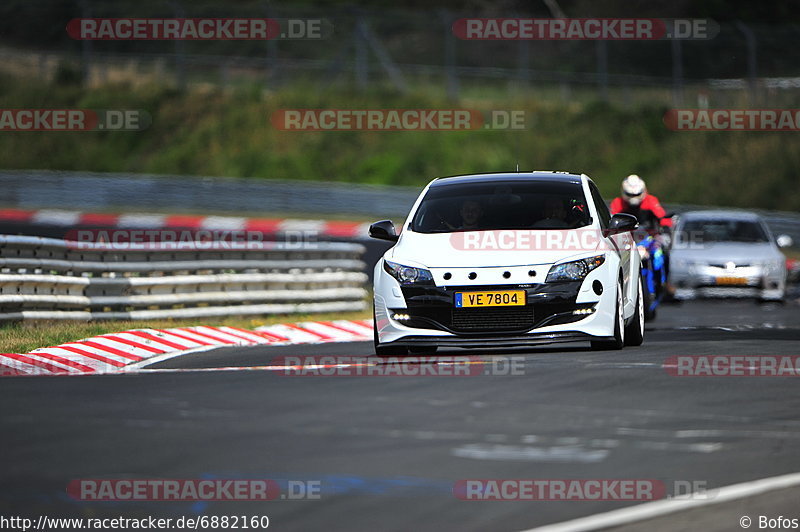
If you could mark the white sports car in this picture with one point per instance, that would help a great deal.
(496, 260)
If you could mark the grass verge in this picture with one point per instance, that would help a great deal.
(229, 133)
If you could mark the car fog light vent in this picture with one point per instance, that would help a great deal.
(582, 311)
(597, 286)
(401, 317)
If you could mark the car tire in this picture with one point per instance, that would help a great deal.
(619, 328)
(385, 350)
(634, 332)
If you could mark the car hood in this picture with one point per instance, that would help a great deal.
(721, 252)
(474, 249)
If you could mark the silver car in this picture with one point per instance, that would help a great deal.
(727, 254)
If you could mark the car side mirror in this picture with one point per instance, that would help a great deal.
(383, 230)
(622, 223)
(784, 241)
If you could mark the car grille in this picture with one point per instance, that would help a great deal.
(493, 319)
(432, 308)
(725, 266)
(489, 320)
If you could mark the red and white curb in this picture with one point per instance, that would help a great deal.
(331, 228)
(137, 348)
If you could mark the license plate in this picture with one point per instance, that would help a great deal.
(731, 281)
(502, 298)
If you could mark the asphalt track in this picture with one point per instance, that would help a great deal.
(388, 450)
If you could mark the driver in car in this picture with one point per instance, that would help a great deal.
(471, 213)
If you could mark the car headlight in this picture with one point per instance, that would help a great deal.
(575, 270)
(407, 275)
(773, 266)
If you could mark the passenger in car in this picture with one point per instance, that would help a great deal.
(554, 215)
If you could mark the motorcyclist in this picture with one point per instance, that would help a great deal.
(652, 217)
(635, 200)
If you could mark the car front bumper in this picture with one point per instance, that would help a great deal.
(705, 281)
(554, 312)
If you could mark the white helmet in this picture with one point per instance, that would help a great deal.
(633, 189)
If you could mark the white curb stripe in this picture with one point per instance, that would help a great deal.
(316, 226)
(222, 335)
(70, 369)
(202, 340)
(359, 328)
(255, 338)
(327, 331)
(188, 344)
(141, 221)
(93, 363)
(294, 335)
(143, 341)
(56, 217)
(650, 510)
(122, 346)
(222, 223)
(24, 367)
(193, 339)
(96, 351)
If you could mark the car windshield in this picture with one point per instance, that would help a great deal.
(497, 205)
(719, 230)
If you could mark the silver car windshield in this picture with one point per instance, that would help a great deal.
(718, 230)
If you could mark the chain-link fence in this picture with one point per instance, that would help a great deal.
(405, 49)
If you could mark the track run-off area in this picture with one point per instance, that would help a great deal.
(386, 452)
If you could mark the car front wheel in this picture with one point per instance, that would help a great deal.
(618, 342)
(634, 332)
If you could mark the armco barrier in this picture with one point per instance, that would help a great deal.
(44, 278)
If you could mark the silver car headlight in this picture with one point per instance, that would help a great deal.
(773, 266)
(575, 270)
(408, 275)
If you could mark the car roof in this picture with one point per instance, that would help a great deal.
(721, 215)
(563, 177)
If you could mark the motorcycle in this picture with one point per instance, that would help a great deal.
(654, 273)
